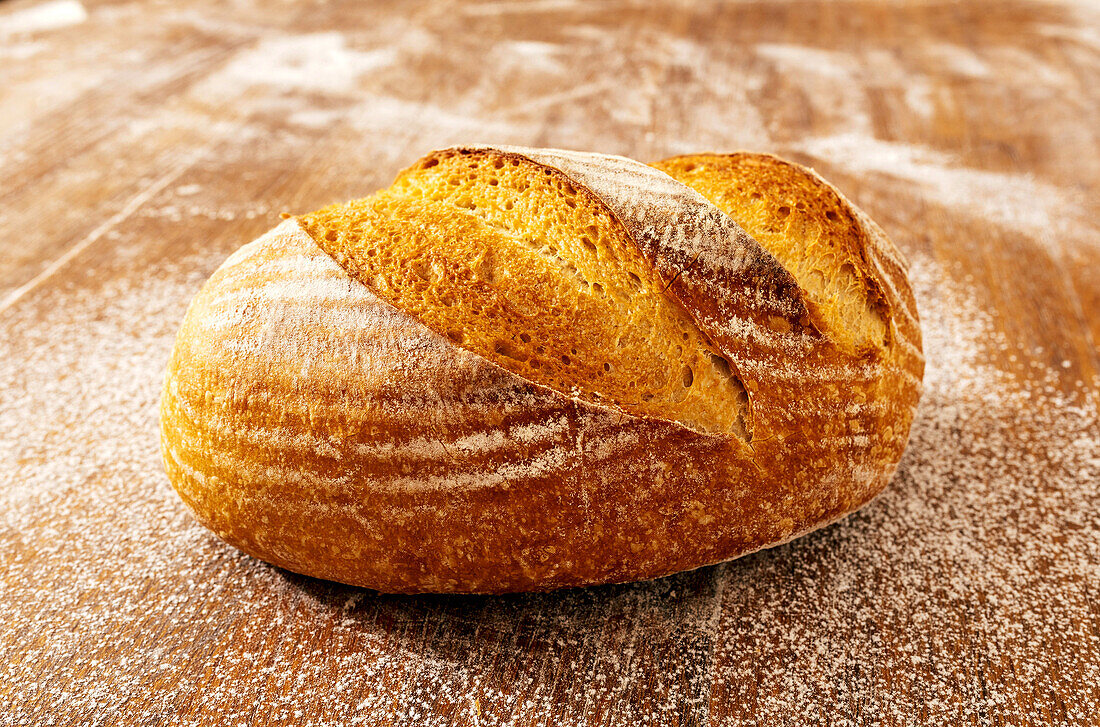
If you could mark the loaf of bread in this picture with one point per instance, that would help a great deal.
(522, 369)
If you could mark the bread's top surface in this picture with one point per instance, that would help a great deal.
(514, 261)
(618, 284)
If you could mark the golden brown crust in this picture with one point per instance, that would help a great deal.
(315, 426)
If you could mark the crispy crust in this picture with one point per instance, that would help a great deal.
(313, 425)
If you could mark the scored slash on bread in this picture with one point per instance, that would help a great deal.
(524, 369)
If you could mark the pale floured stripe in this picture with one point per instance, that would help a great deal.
(188, 471)
(908, 304)
(291, 243)
(348, 319)
(852, 445)
(910, 376)
(287, 234)
(881, 242)
(224, 421)
(855, 370)
(481, 441)
(251, 471)
(244, 253)
(860, 440)
(609, 445)
(422, 449)
(785, 344)
(904, 305)
(883, 248)
(304, 266)
(278, 440)
(907, 343)
(865, 407)
(870, 473)
(318, 291)
(550, 461)
(554, 460)
(812, 406)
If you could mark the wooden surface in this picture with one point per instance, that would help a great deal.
(140, 143)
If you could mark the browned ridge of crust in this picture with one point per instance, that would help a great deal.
(522, 369)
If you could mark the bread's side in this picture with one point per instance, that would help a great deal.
(312, 424)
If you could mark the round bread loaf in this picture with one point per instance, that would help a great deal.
(523, 369)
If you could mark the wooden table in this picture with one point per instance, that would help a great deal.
(140, 143)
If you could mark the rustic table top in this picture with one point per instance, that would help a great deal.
(142, 142)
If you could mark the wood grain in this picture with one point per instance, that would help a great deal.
(141, 143)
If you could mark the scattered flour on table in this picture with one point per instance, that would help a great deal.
(532, 55)
(958, 59)
(41, 17)
(1017, 201)
(803, 59)
(320, 62)
(294, 63)
(974, 569)
(525, 7)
